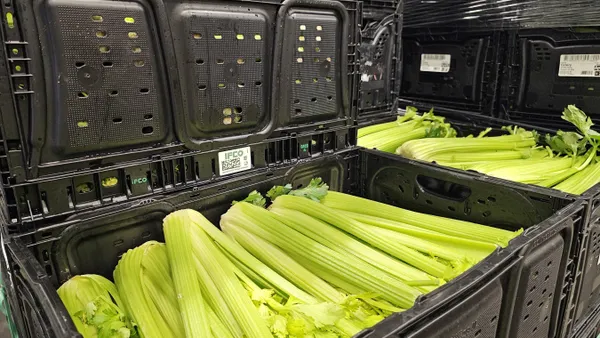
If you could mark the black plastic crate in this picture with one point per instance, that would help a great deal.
(540, 257)
(51, 199)
(450, 67)
(584, 290)
(380, 65)
(549, 69)
(590, 328)
(99, 83)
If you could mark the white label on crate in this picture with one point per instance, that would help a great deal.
(598, 260)
(234, 161)
(579, 65)
(438, 63)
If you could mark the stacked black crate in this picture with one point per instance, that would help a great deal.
(100, 108)
(489, 63)
(380, 57)
(109, 102)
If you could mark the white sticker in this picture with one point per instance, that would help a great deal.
(438, 63)
(579, 65)
(598, 260)
(234, 161)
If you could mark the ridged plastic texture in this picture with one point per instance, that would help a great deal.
(51, 198)
(590, 327)
(481, 301)
(133, 80)
(500, 14)
(548, 54)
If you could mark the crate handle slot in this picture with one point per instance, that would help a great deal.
(443, 189)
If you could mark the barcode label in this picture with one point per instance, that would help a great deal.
(233, 161)
(437, 63)
(579, 65)
(582, 57)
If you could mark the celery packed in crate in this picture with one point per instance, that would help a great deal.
(565, 160)
(311, 263)
(410, 126)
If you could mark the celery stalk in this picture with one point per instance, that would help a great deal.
(476, 250)
(581, 181)
(263, 224)
(319, 211)
(176, 227)
(443, 225)
(284, 264)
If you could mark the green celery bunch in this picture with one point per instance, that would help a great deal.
(143, 278)
(95, 307)
(389, 136)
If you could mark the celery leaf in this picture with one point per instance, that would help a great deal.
(255, 198)
(315, 190)
(279, 190)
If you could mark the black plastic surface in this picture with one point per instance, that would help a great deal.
(124, 81)
(585, 295)
(375, 10)
(469, 83)
(590, 327)
(380, 65)
(110, 231)
(51, 198)
(533, 91)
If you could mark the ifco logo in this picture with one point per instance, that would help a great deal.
(234, 154)
(139, 180)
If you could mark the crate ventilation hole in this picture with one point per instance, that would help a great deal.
(105, 49)
(317, 60)
(541, 53)
(230, 115)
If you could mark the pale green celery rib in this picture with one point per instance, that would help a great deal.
(391, 131)
(279, 261)
(425, 149)
(581, 181)
(362, 132)
(179, 248)
(497, 155)
(316, 210)
(214, 299)
(444, 225)
(263, 224)
(232, 291)
(340, 241)
(254, 264)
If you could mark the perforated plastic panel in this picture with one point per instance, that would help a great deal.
(536, 290)
(311, 69)
(106, 76)
(590, 282)
(477, 316)
(225, 61)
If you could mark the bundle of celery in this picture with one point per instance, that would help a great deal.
(95, 307)
(389, 136)
(313, 264)
(360, 246)
(566, 161)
